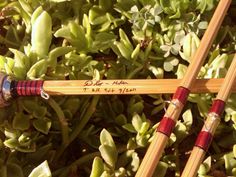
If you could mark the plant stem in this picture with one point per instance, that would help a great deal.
(62, 120)
(91, 109)
(5, 41)
(177, 169)
(134, 72)
(79, 127)
(216, 147)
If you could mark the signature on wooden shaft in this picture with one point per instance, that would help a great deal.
(98, 86)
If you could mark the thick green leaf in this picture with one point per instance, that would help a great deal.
(137, 122)
(42, 125)
(130, 128)
(106, 138)
(135, 162)
(21, 121)
(188, 118)
(97, 168)
(230, 162)
(205, 166)
(42, 170)
(161, 169)
(109, 154)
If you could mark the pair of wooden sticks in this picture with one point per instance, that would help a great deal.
(168, 122)
(11, 88)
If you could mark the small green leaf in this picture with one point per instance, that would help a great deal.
(125, 52)
(42, 170)
(97, 168)
(131, 144)
(106, 138)
(38, 69)
(135, 52)
(11, 143)
(121, 172)
(205, 166)
(57, 52)
(21, 121)
(24, 140)
(136, 108)
(11, 133)
(42, 26)
(230, 162)
(161, 169)
(40, 111)
(109, 154)
(203, 25)
(180, 131)
(144, 128)
(36, 14)
(129, 127)
(234, 151)
(142, 140)
(63, 32)
(125, 40)
(97, 15)
(137, 122)
(135, 162)
(121, 119)
(157, 71)
(181, 71)
(188, 118)
(105, 174)
(42, 125)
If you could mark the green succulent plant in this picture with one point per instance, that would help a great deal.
(108, 39)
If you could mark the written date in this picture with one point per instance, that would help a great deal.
(110, 90)
(126, 90)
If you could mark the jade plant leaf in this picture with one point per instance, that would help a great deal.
(108, 148)
(21, 121)
(97, 168)
(42, 125)
(41, 171)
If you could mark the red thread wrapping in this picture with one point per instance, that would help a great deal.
(28, 88)
(181, 94)
(28, 91)
(166, 126)
(33, 87)
(218, 107)
(23, 85)
(18, 86)
(204, 140)
(39, 87)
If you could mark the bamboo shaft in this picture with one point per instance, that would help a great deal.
(193, 164)
(189, 78)
(228, 84)
(147, 86)
(211, 122)
(153, 155)
(205, 44)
